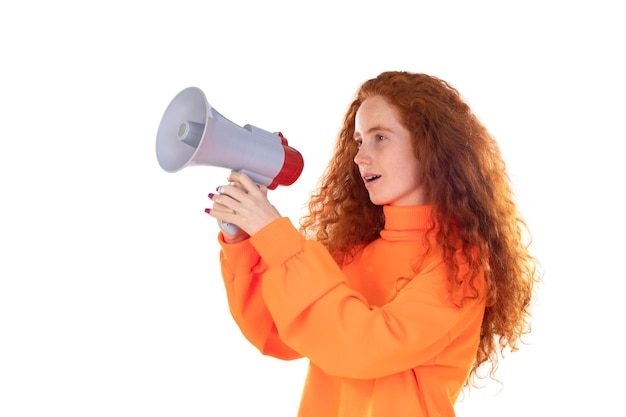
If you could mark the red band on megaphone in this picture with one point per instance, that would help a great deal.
(291, 169)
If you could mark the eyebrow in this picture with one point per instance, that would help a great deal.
(374, 129)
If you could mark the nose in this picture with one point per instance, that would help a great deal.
(362, 156)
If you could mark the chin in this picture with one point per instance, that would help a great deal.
(378, 201)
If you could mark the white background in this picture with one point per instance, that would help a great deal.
(111, 301)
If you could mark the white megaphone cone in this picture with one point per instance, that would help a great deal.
(191, 132)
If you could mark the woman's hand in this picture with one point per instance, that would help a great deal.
(244, 204)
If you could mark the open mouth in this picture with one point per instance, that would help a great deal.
(371, 178)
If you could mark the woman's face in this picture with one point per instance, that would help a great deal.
(386, 158)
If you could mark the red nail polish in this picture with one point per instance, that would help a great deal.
(207, 210)
(211, 195)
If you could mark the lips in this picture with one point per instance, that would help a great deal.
(370, 178)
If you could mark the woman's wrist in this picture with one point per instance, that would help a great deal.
(240, 236)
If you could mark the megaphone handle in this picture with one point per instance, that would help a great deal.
(229, 228)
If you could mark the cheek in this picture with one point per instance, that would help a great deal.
(419, 173)
(418, 168)
(410, 168)
(412, 178)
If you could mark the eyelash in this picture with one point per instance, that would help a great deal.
(359, 142)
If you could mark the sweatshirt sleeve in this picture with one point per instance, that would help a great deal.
(242, 270)
(317, 314)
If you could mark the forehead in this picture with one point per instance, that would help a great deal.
(376, 111)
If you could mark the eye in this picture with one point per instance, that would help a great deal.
(358, 142)
(380, 138)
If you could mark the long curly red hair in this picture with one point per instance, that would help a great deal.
(467, 184)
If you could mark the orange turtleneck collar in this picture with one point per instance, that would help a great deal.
(403, 222)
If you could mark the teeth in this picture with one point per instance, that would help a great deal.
(373, 177)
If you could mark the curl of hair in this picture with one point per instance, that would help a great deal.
(467, 184)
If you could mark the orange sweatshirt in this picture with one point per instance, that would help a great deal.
(381, 340)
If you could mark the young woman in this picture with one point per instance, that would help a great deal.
(409, 271)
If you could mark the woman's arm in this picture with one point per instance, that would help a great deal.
(242, 271)
(322, 318)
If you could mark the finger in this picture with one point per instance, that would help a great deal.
(244, 180)
(222, 208)
(224, 203)
(235, 184)
(222, 216)
(236, 192)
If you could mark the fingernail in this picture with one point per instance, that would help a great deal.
(207, 210)
(211, 195)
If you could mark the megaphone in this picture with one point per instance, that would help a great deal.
(192, 132)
